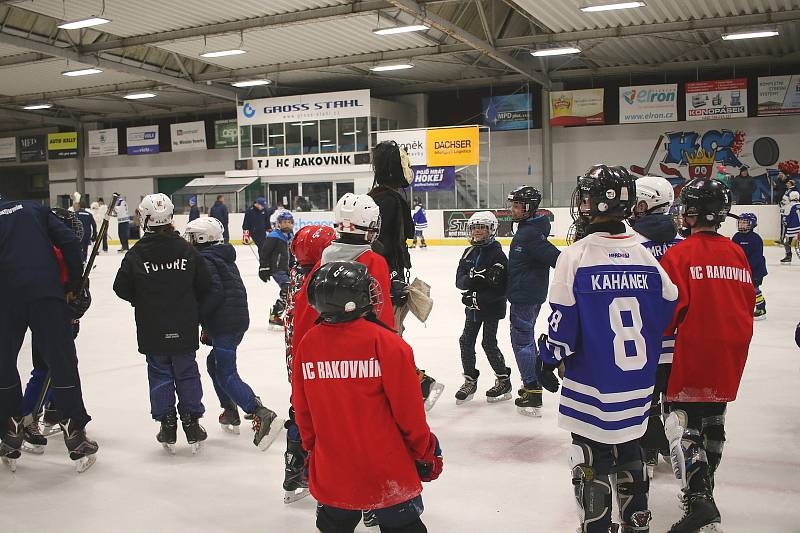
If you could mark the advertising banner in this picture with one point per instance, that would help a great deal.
(62, 145)
(103, 143)
(434, 179)
(576, 108)
(321, 106)
(32, 148)
(8, 149)
(709, 100)
(453, 147)
(778, 95)
(648, 103)
(512, 112)
(455, 222)
(414, 142)
(310, 164)
(188, 136)
(226, 134)
(142, 140)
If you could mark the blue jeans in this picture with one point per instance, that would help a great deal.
(221, 364)
(168, 374)
(523, 318)
(335, 520)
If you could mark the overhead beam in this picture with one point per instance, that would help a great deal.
(21, 59)
(42, 119)
(78, 93)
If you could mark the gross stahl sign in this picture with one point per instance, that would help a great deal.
(321, 106)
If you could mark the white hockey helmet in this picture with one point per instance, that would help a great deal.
(482, 219)
(656, 192)
(156, 210)
(357, 214)
(204, 230)
(794, 196)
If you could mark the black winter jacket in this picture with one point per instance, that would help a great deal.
(164, 278)
(491, 297)
(396, 227)
(529, 262)
(224, 311)
(256, 221)
(274, 253)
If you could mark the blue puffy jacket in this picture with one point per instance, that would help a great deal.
(224, 311)
(530, 259)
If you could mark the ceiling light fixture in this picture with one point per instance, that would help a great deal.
(302, 123)
(400, 29)
(749, 35)
(33, 107)
(83, 23)
(387, 68)
(139, 96)
(224, 53)
(81, 72)
(555, 51)
(612, 6)
(250, 83)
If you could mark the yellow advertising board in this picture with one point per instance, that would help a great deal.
(449, 147)
(62, 145)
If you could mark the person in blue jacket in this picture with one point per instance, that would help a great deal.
(34, 298)
(753, 247)
(420, 224)
(275, 260)
(194, 212)
(530, 259)
(220, 211)
(89, 228)
(256, 222)
(225, 318)
(482, 275)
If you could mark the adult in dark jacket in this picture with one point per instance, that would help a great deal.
(34, 298)
(482, 275)
(194, 212)
(256, 222)
(164, 279)
(220, 211)
(745, 186)
(530, 259)
(225, 318)
(89, 228)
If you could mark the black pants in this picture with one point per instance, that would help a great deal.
(400, 518)
(124, 229)
(705, 429)
(472, 326)
(654, 438)
(49, 322)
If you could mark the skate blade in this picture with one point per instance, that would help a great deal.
(196, 447)
(11, 463)
(170, 448)
(534, 412)
(497, 399)
(34, 449)
(274, 430)
(711, 528)
(49, 431)
(465, 400)
(275, 327)
(85, 463)
(759, 318)
(433, 396)
(294, 496)
(230, 428)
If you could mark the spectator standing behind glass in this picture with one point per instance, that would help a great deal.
(722, 175)
(220, 211)
(194, 212)
(123, 223)
(745, 186)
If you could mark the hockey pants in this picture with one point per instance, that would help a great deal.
(168, 374)
(221, 365)
(400, 518)
(523, 318)
(469, 337)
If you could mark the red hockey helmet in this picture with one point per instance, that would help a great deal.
(309, 242)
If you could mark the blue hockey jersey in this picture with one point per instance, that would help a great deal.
(793, 220)
(610, 302)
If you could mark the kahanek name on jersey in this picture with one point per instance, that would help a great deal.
(721, 272)
(619, 280)
(358, 369)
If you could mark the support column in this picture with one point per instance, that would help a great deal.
(80, 171)
(547, 151)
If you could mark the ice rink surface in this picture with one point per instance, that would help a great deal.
(503, 471)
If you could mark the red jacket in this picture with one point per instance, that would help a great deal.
(713, 318)
(359, 408)
(305, 315)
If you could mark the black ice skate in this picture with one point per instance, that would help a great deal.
(81, 449)
(168, 434)
(33, 441)
(501, 390)
(295, 487)
(651, 461)
(50, 422)
(702, 516)
(266, 426)
(11, 442)
(370, 520)
(229, 420)
(195, 433)
(431, 389)
(529, 402)
(467, 390)
(787, 260)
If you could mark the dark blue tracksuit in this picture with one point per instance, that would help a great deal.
(220, 211)
(753, 247)
(33, 298)
(530, 259)
(256, 221)
(89, 231)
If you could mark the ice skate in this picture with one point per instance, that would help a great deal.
(195, 433)
(266, 426)
(501, 390)
(11, 442)
(787, 260)
(168, 434)
(431, 389)
(529, 402)
(467, 390)
(229, 420)
(701, 515)
(33, 441)
(370, 520)
(760, 315)
(50, 422)
(294, 486)
(81, 450)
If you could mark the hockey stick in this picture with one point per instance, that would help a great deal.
(645, 171)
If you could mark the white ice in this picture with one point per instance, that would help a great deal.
(503, 471)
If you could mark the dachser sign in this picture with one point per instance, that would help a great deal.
(453, 146)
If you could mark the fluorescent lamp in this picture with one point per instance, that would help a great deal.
(259, 144)
(83, 23)
(250, 83)
(386, 68)
(556, 51)
(325, 141)
(400, 29)
(33, 107)
(302, 124)
(611, 6)
(139, 96)
(749, 35)
(351, 132)
(276, 135)
(81, 72)
(223, 53)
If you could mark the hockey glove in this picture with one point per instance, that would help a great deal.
(245, 237)
(477, 278)
(265, 273)
(496, 274)
(470, 300)
(431, 464)
(80, 303)
(399, 292)
(545, 372)
(204, 338)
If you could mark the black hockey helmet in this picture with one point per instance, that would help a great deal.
(604, 190)
(530, 196)
(391, 165)
(342, 291)
(707, 199)
(70, 220)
